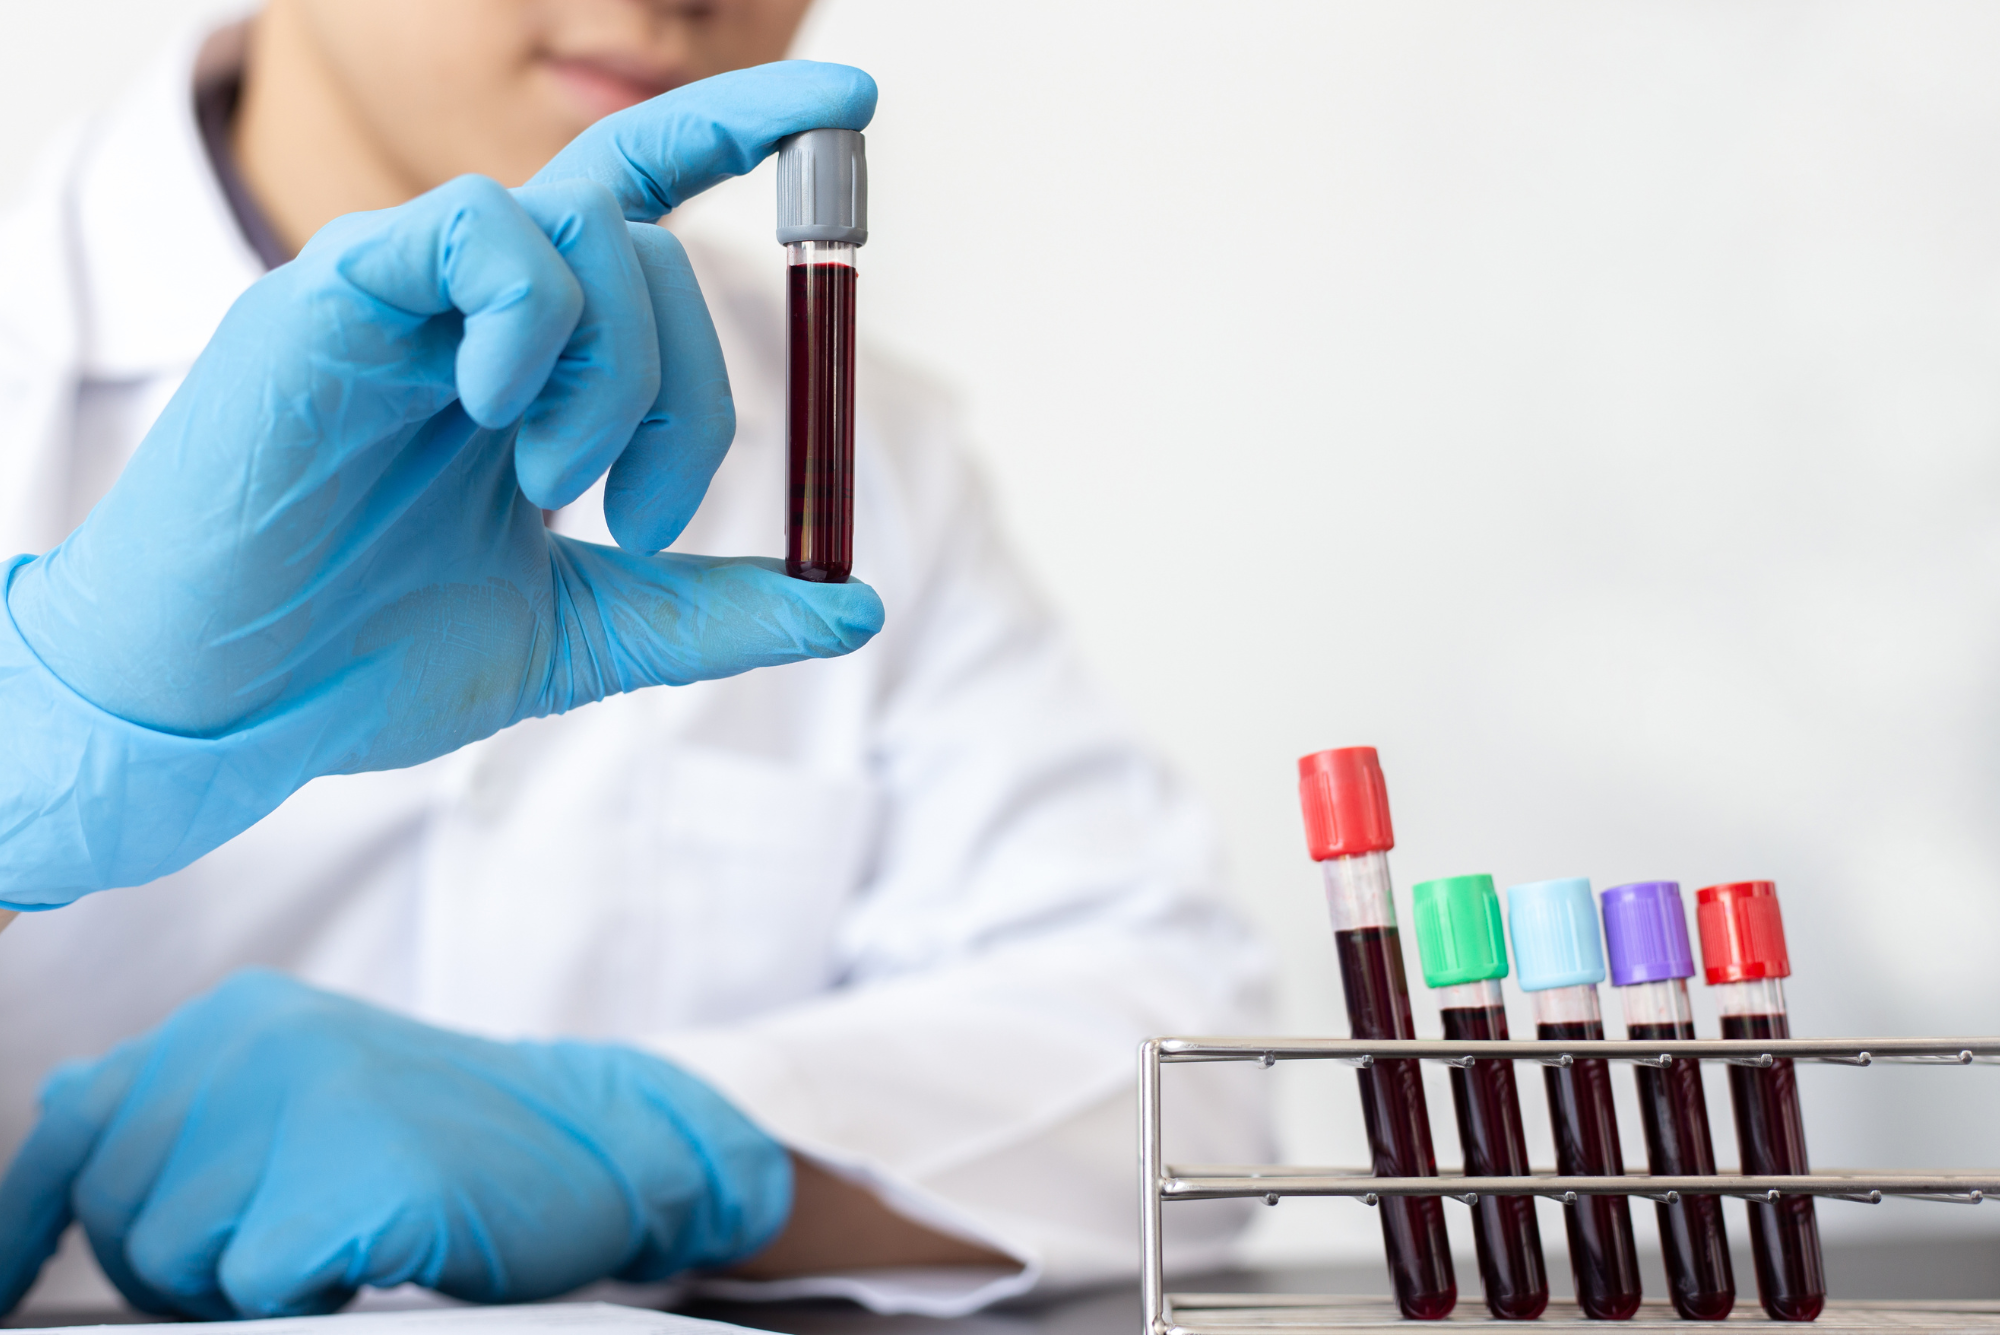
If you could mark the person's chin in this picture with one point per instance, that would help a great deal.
(593, 92)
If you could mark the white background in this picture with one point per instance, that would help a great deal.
(1592, 405)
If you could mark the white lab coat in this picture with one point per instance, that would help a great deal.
(912, 909)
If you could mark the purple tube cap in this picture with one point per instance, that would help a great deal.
(1646, 932)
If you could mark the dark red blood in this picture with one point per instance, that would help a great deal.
(1692, 1238)
(819, 521)
(1399, 1127)
(1771, 1140)
(1602, 1259)
(1508, 1240)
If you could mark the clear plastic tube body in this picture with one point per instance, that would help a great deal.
(1504, 1232)
(1771, 1141)
(1360, 902)
(1603, 1260)
(819, 515)
(1693, 1241)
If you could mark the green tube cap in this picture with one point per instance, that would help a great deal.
(1459, 938)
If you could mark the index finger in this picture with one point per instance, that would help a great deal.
(35, 1194)
(657, 155)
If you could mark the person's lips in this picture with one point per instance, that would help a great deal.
(602, 86)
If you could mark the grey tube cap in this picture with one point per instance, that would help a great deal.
(823, 187)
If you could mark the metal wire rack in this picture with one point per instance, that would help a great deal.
(1296, 1314)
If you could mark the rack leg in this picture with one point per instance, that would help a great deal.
(1152, 1250)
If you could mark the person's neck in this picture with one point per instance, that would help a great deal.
(301, 145)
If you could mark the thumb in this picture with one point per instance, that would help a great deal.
(654, 156)
(669, 620)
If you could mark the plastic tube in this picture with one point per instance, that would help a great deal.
(1346, 806)
(1464, 957)
(819, 304)
(1744, 958)
(1560, 961)
(822, 218)
(1645, 930)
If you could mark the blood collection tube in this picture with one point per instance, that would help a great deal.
(1743, 955)
(1645, 934)
(1464, 954)
(1560, 962)
(822, 221)
(1346, 808)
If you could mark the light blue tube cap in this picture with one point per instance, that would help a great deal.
(1553, 925)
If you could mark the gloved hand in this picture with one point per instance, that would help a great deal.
(327, 555)
(271, 1148)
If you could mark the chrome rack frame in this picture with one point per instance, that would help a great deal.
(1242, 1314)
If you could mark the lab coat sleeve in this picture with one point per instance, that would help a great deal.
(1043, 899)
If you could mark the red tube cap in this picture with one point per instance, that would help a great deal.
(1346, 803)
(1742, 932)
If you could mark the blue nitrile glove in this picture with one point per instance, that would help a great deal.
(271, 1149)
(328, 554)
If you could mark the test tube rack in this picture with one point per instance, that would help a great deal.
(1298, 1314)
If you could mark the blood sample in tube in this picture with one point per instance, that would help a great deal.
(1744, 958)
(819, 523)
(822, 219)
(1464, 955)
(1560, 960)
(1346, 806)
(1645, 930)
